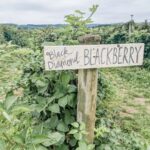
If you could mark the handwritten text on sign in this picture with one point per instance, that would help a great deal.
(93, 56)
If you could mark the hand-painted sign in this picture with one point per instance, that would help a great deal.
(93, 56)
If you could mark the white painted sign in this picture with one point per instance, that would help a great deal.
(93, 56)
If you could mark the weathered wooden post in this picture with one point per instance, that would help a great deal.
(131, 25)
(87, 92)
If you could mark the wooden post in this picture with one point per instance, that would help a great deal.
(87, 92)
(131, 25)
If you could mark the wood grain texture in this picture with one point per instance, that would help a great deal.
(87, 94)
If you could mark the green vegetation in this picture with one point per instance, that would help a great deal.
(124, 114)
(38, 108)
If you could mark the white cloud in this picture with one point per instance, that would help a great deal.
(51, 12)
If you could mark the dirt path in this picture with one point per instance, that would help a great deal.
(135, 106)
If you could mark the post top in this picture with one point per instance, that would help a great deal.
(89, 39)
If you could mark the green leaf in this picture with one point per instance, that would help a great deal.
(75, 124)
(2, 145)
(7, 116)
(73, 142)
(54, 108)
(73, 131)
(78, 136)
(39, 139)
(49, 100)
(10, 100)
(82, 146)
(58, 94)
(79, 12)
(18, 139)
(62, 147)
(65, 78)
(53, 121)
(3, 129)
(20, 109)
(54, 138)
(71, 100)
(63, 101)
(40, 147)
(93, 8)
(62, 127)
(1, 107)
(91, 147)
(41, 85)
(72, 88)
(36, 147)
(37, 107)
(68, 117)
(82, 126)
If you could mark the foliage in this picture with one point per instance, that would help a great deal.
(142, 37)
(39, 110)
(118, 37)
(17, 36)
(77, 22)
(45, 112)
(119, 129)
(120, 34)
(147, 64)
(116, 139)
(105, 89)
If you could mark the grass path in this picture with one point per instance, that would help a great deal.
(131, 100)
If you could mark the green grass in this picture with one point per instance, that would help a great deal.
(129, 108)
(11, 59)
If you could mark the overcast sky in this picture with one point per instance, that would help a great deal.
(53, 11)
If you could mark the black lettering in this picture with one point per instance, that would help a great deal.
(86, 57)
(69, 62)
(65, 53)
(58, 64)
(119, 55)
(66, 62)
(131, 55)
(50, 54)
(76, 58)
(50, 65)
(115, 55)
(125, 55)
(108, 56)
(102, 62)
(138, 51)
(91, 56)
(97, 57)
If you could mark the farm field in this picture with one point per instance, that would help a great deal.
(38, 108)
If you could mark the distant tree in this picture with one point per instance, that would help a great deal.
(19, 38)
(8, 33)
(118, 37)
(142, 36)
(146, 25)
(2, 38)
(15, 35)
